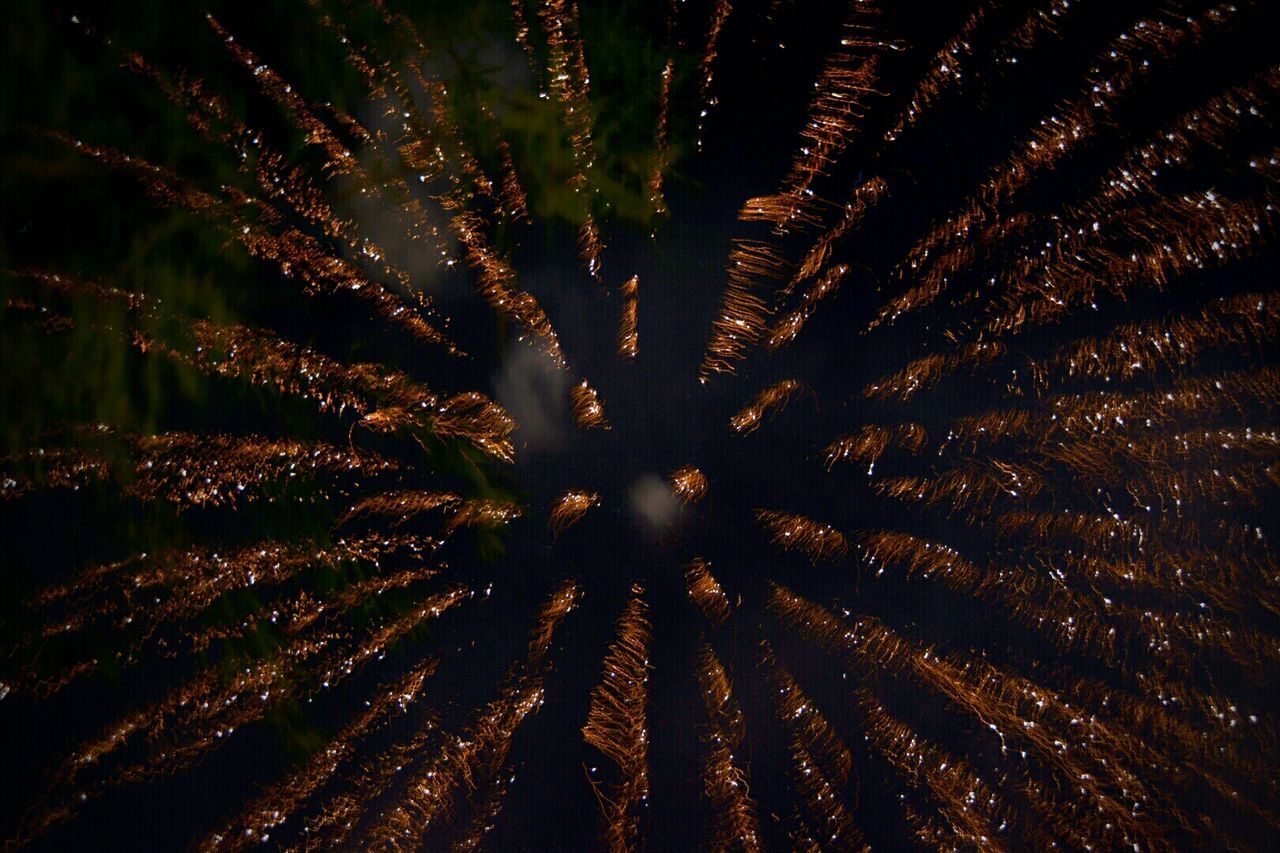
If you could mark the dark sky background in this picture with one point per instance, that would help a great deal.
(661, 416)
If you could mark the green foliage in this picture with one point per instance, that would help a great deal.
(72, 361)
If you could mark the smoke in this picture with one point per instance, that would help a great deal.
(536, 393)
(653, 503)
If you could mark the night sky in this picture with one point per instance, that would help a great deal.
(1156, 210)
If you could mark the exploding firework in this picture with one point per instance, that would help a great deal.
(986, 386)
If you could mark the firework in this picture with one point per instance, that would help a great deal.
(843, 89)
(588, 411)
(689, 484)
(744, 310)
(570, 509)
(1039, 332)
(661, 155)
(773, 398)
(479, 753)
(197, 471)
(820, 542)
(869, 444)
(569, 79)
(863, 198)
(723, 780)
(821, 764)
(945, 73)
(616, 724)
(719, 15)
(205, 712)
(628, 327)
(275, 806)
(706, 592)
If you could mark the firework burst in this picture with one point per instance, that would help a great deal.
(997, 352)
